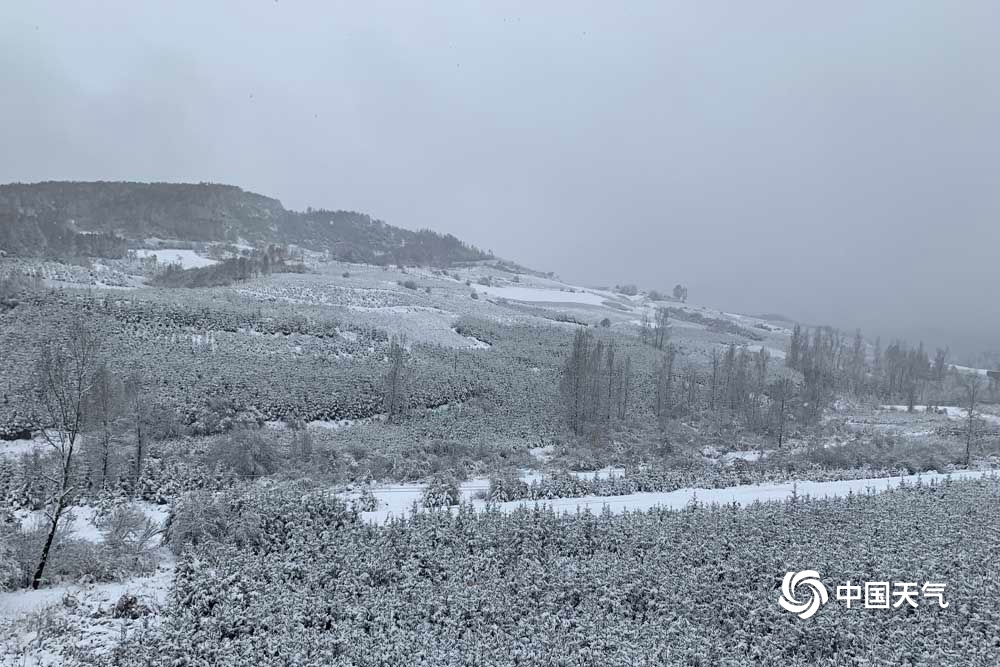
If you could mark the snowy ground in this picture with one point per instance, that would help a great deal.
(397, 501)
(78, 522)
(950, 411)
(774, 352)
(184, 257)
(474, 343)
(969, 370)
(50, 625)
(538, 295)
(20, 447)
(47, 626)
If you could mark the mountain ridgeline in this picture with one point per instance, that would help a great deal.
(103, 219)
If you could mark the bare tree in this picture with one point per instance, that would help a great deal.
(396, 378)
(574, 378)
(940, 364)
(858, 363)
(302, 444)
(713, 386)
(644, 327)
(756, 417)
(624, 383)
(611, 377)
(664, 385)
(781, 394)
(972, 388)
(691, 382)
(661, 331)
(64, 378)
(135, 390)
(105, 406)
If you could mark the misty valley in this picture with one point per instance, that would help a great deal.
(499, 334)
(342, 443)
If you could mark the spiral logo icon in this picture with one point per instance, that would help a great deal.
(817, 596)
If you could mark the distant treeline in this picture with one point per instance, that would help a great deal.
(46, 237)
(227, 272)
(46, 219)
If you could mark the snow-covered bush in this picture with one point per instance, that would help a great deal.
(507, 487)
(130, 539)
(441, 491)
(196, 517)
(365, 501)
(694, 587)
(257, 517)
(249, 453)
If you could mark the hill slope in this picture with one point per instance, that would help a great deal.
(99, 218)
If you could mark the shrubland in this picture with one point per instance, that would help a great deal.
(292, 578)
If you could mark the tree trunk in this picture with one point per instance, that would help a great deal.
(105, 456)
(56, 515)
(138, 456)
(44, 559)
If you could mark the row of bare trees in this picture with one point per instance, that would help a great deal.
(655, 331)
(77, 396)
(596, 383)
(829, 364)
(739, 385)
(832, 362)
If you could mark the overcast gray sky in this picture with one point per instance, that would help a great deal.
(834, 161)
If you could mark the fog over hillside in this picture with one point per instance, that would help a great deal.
(832, 163)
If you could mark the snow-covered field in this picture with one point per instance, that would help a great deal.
(20, 447)
(183, 257)
(41, 627)
(538, 295)
(397, 501)
(969, 370)
(429, 307)
(950, 411)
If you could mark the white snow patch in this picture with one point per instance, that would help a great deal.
(951, 411)
(83, 613)
(79, 521)
(543, 454)
(539, 295)
(337, 424)
(603, 473)
(396, 501)
(773, 352)
(968, 369)
(474, 343)
(184, 257)
(18, 447)
(747, 455)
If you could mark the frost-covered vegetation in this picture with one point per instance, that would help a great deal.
(277, 577)
(271, 413)
(33, 222)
